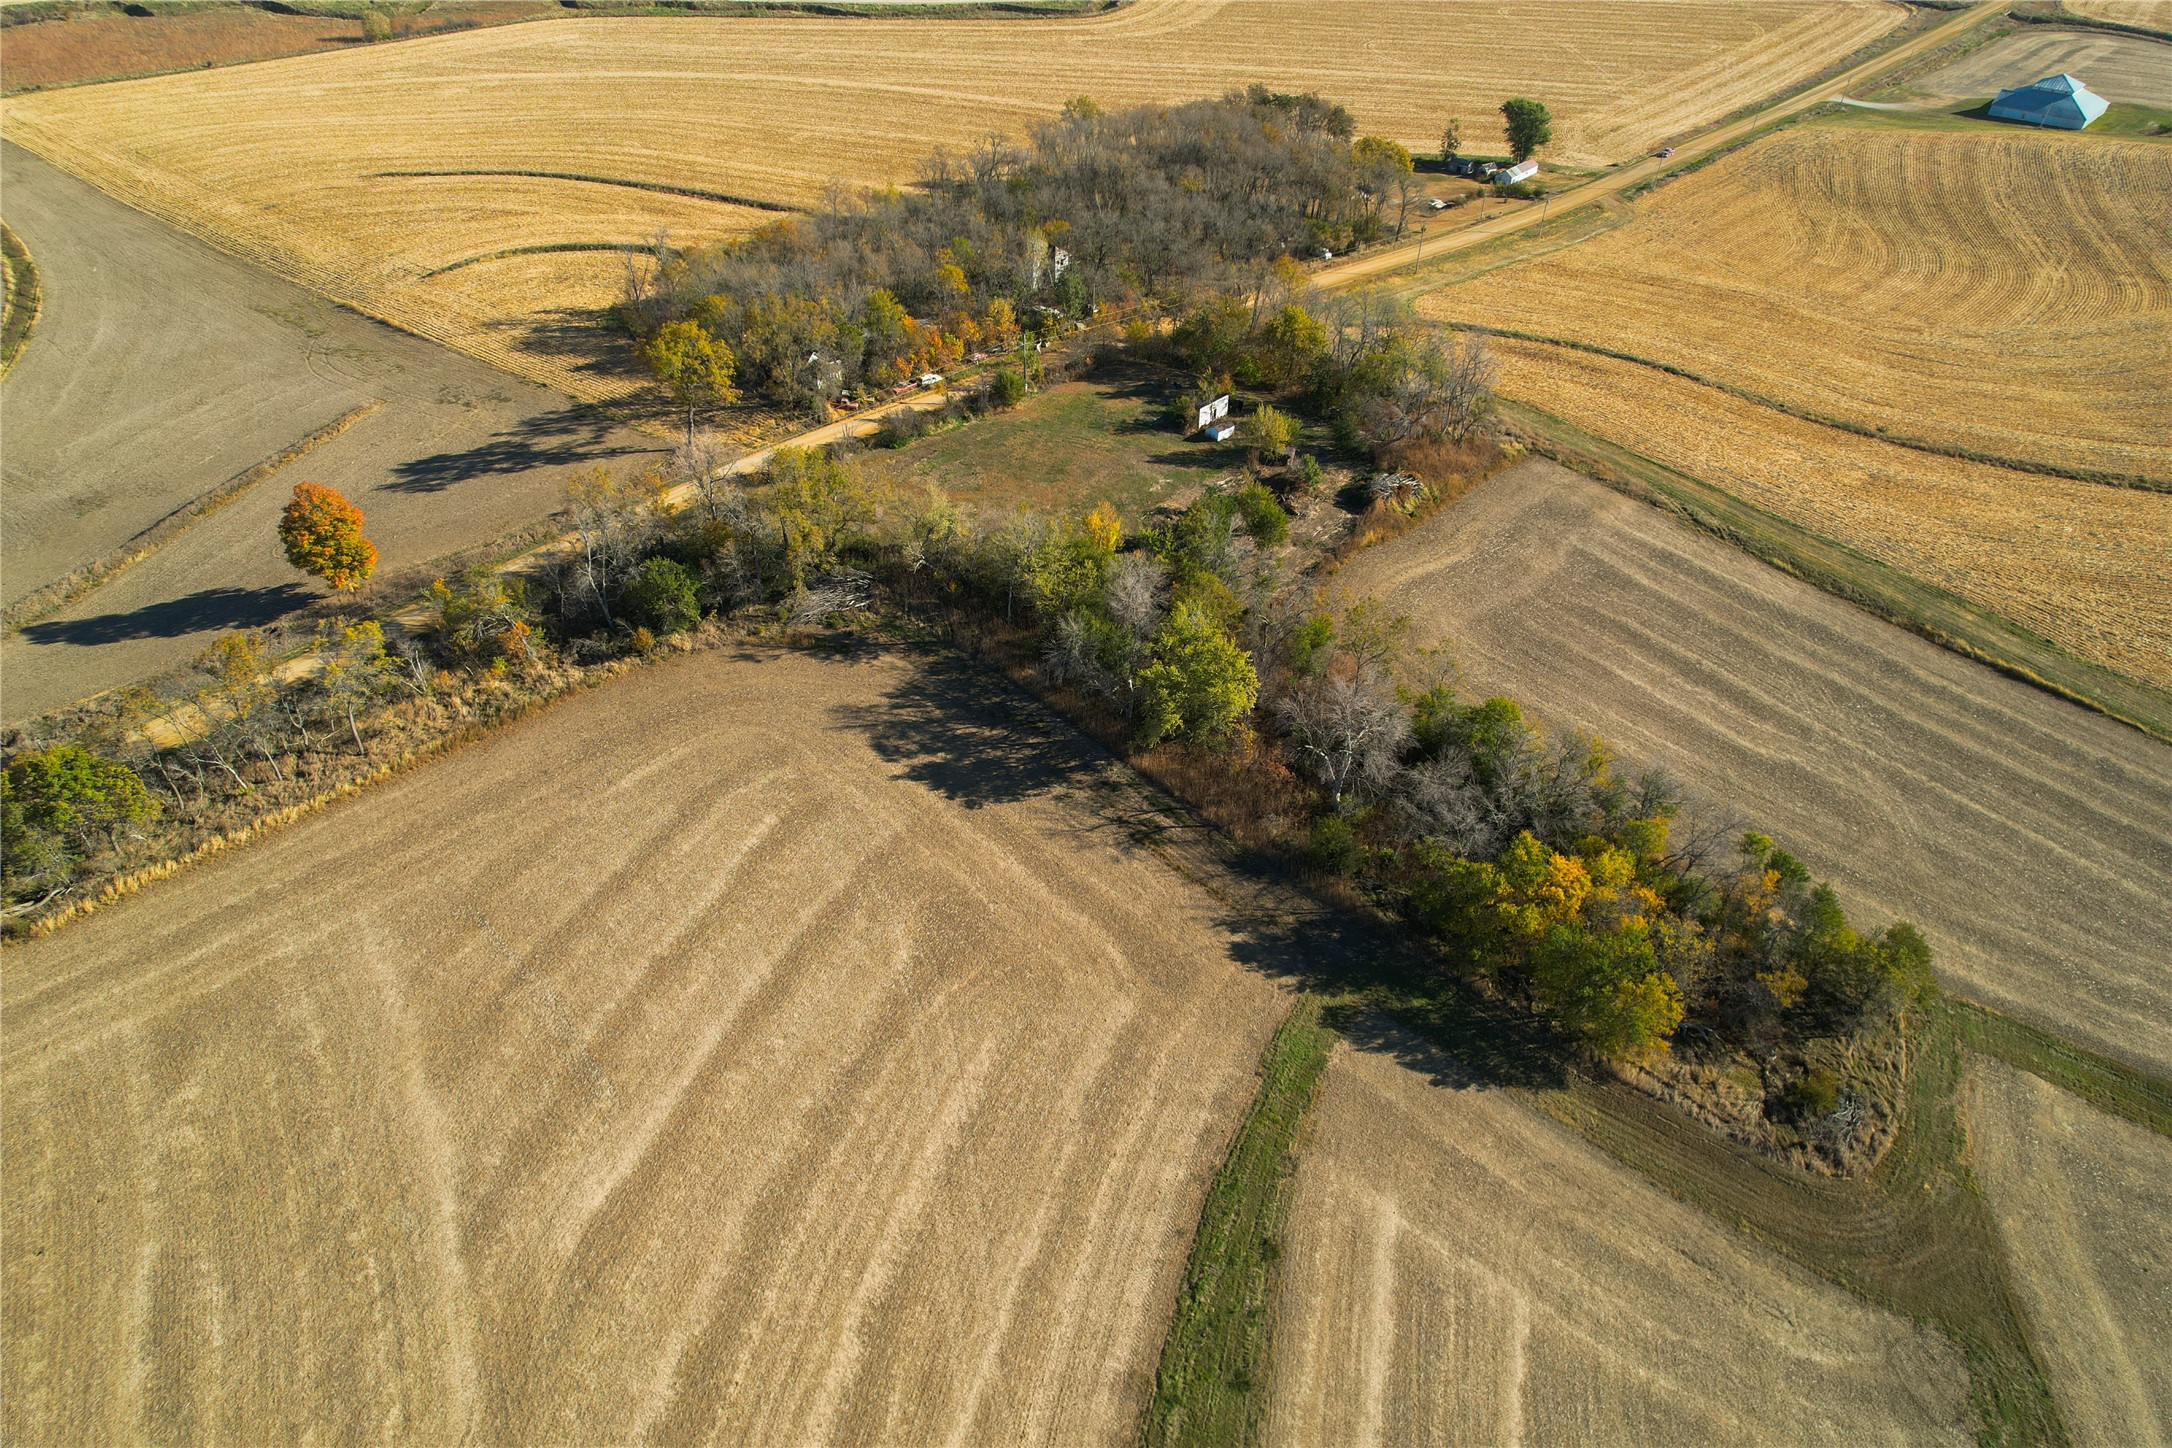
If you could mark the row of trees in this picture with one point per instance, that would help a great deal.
(1538, 864)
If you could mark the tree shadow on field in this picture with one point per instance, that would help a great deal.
(1448, 1033)
(564, 437)
(583, 338)
(199, 612)
(967, 735)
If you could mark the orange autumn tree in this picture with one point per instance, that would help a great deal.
(322, 532)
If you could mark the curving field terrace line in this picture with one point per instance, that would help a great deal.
(770, 1050)
(1459, 1269)
(2069, 561)
(287, 162)
(2030, 839)
(1987, 291)
(657, 186)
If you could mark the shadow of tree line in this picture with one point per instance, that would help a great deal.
(971, 735)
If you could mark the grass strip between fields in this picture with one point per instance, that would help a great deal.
(1921, 608)
(62, 591)
(1915, 1235)
(1211, 1385)
(2109, 1086)
(24, 300)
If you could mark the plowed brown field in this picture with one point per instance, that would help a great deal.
(2081, 564)
(2030, 839)
(284, 161)
(2000, 292)
(758, 1051)
(1461, 1270)
(2083, 1203)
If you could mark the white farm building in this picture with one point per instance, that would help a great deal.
(2056, 100)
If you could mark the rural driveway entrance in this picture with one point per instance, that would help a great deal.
(160, 369)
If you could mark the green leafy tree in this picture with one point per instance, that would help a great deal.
(322, 533)
(74, 797)
(483, 618)
(1270, 433)
(1008, 388)
(693, 367)
(661, 597)
(1063, 571)
(1290, 342)
(1451, 138)
(354, 673)
(1263, 517)
(1200, 684)
(1530, 125)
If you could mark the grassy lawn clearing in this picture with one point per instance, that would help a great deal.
(1065, 449)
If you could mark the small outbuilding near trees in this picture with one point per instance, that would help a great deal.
(2056, 100)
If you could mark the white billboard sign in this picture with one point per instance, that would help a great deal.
(1217, 408)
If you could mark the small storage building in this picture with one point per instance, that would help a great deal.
(1521, 171)
(2056, 100)
(1222, 429)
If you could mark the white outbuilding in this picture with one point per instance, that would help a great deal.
(2056, 100)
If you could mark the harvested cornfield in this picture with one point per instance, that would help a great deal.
(2120, 68)
(763, 1050)
(2029, 839)
(288, 161)
(1461, 1270)
(2078, 563)
(2004, 293)
(2083, 1203)
(2150, 14)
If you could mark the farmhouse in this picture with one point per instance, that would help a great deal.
(2056, 100)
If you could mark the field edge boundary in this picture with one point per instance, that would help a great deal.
(26, 299)
(80, 582)
(1210, 1379)
(2140, 482)
(1877, 588)
(2109, 1085)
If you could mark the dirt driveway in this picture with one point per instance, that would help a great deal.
(162, 368)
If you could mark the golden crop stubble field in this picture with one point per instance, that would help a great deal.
(281, 161)
(2081, 564)
(757, 1051)
(1462, 1270)
(2083, 1203)
(2152, 14)
(2002, 293)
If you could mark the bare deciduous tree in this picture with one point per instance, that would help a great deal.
(1347, 727)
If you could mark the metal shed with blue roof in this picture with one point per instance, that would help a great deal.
(2056, 100)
